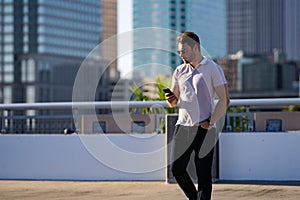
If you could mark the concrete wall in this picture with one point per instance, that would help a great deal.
(87, 157)
(243, 156)
(290, 120)
(118, 123)
(260, 156)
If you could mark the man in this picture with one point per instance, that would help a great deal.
(194, 86)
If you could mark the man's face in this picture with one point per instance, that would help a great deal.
(186, 52)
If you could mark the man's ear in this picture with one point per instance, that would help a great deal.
(195, 48)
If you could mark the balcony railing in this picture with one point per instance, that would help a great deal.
(32, 118)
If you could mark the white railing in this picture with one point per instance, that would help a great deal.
(138, 104)
(82, 105)
(7, 110)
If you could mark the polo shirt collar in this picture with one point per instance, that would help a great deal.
(204, 61)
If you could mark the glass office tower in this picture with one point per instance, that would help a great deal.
(167, 14)
(207, 18)
(43, 43)
(255, 26)
(292, 29)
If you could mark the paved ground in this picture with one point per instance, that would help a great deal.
(61, 190)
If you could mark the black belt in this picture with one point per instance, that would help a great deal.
(206, 120)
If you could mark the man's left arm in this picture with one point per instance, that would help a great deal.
(221, 107)
(222, 104)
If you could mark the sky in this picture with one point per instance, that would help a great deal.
(124, 25)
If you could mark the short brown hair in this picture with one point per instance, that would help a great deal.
(190, 38)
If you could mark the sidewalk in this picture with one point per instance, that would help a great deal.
(86, 190)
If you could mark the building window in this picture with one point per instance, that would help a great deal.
(8, 8)
(8, 38)
(23, 71)
(8, 68)
(8, 78)
(25, 48)
(7, 94)
(8, 28)
(30, 70)
(8, 48)
(8, 19)
(30, 94)
(8, 58)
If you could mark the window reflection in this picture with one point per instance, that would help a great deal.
(30, 70)
(7, 94)
(8, 18)
(30, 94)
(8, 77)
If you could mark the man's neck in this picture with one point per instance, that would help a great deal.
(197, 61)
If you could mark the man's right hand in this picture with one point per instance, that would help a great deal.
(171, 99)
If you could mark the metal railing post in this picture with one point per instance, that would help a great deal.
(10, 121)
(77, 121)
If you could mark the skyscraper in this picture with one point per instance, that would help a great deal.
(42, 46)
(292, 29)
(207, 18)
(255, 26)
(109, 27)
(168, 14)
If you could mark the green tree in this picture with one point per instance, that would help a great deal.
(161, 82)
(292, 108)
(139, 96)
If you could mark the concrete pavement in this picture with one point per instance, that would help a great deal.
(121, 190)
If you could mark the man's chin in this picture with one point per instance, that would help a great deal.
(186, 61)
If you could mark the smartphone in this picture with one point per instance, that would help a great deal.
(167, 90)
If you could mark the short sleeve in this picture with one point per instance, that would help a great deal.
(175, 78)
(218, 77)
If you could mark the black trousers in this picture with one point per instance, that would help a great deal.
(187, 140)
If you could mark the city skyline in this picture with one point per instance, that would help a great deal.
(43, 44)
(29, 44)
(289, 23)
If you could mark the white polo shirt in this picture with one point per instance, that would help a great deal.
(196, 87)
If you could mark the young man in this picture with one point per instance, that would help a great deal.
(194, 86)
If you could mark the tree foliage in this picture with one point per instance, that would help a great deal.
(161, 82)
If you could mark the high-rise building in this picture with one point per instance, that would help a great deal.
(257, 76)
(42, 45)
(255, 26)
(206, 18)
(167, 14)
(109, 31)
(292, 29)
(224, 26)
